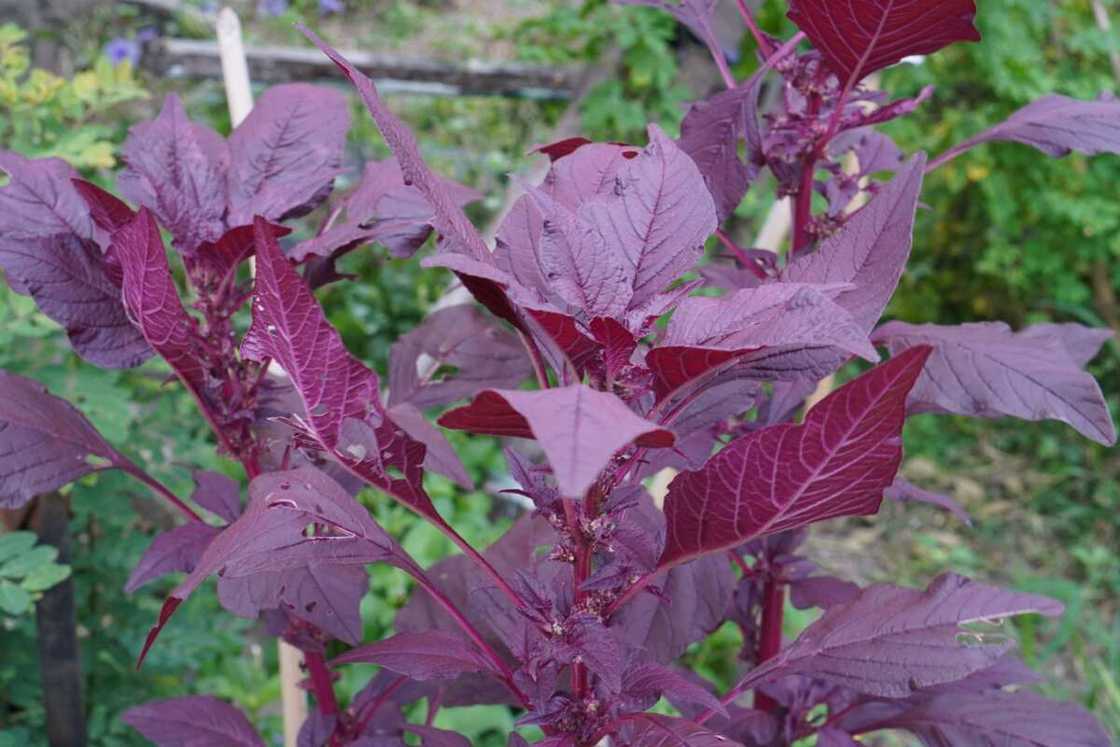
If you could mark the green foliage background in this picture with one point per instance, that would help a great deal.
(1008, 234)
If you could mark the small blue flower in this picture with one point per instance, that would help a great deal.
(272, 7)
(120, 49)
(328, 7)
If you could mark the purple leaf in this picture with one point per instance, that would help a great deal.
(890, 641)
(270, 539)
(1082, 343)
(837, 463)
(45, 442)
(999, 718)
(697, 15)
(382, 208)
(986, 370)
(195, 721)
(326, 595)
(1057, 126)
(220, 259)
(753, 326)
(652, 730)
(463, 337)
(692, 603)
(904, 491)
(422, 656)
(871, 251)
(285, 155)
(659, 214)
(177, 169)
(178, 549)
(152, 300)
(69, 279)
(648, 682)
(833, 737)
(218, 494)
(40, 200)
(858, 37)
(711, 133)
(447, 217)
(439, 455)
(579, 428)
(430, 737)
(821, 591)
(581, 267)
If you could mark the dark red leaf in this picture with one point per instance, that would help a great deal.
(858, 37)
(106, 210)
(426, 655)
(837, 463)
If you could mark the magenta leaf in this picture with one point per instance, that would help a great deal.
(289, 328)
(45, 442)
(71, 283)
(152, 300)
(463, 338)
(579, 428)
(177, 549)
(197, 721)
(217, 261)
(648, 682)
(177, 169)
(986, 370)
(871, 251)
(659, 214)
(858, 37)
(1057, 126)
(285, 155)
(653, 730)
(218, 494)
(428, 655)
(890, 641)
(1082, 343)
(836, 463)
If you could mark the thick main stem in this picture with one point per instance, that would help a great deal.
(322, 685)
(770, 634)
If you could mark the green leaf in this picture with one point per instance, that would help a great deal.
(15, 543)
(21, 565)
(45, 576)
(13, 599)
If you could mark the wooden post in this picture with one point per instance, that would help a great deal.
(60, 663)
(239, 97)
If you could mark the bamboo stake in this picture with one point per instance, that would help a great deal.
(239, 97)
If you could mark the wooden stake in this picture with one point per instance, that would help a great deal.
(239, 97)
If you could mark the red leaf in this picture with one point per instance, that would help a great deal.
(837, 463)
(107, 211)
(426, 655)
(858, 37)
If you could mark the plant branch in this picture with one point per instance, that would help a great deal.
(756, 31)
(126, 465)
(322, 683)
(537, 360)
(770, 635)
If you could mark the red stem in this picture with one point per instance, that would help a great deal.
(770, 635)
(322, 684)
(536, 359)
(740, 255)
(756, 32)
(130, 468)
